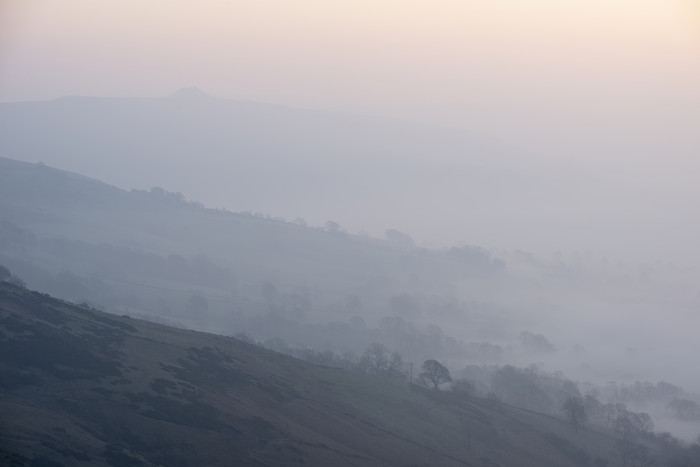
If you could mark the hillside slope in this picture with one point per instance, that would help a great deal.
(81, 387)
(256, 156)
(368, 173)
(146, 253)
(152, 254)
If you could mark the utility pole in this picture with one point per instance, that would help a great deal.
(410, 378)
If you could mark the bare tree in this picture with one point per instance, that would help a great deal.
(631, 424)
(394, 365)
(644, 422)
(378, 360)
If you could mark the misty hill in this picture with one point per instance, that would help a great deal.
(59, 220)
(443, 185)
(253, 156)
(155, 255)
(81, 387)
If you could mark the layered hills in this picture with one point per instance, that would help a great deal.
(149, 252)
(324, 295)
(156, 255)
(81, 387)
(444, 185)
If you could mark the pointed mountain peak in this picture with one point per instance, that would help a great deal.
(191, 92)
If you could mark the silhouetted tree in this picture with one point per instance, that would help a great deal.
(575, 411)
(684, 409)
(395, 365)
(644, 422)
(378, 360)
(375, 359)
(631, 424)
(595, 410)
(523, 388)
(435, 373)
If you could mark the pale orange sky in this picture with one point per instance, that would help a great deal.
(237, 48)
(527, 69)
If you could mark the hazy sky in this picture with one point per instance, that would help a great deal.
(605, 82)
(534, 69)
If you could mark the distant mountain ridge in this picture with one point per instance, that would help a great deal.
(443, 185)
(246, 155)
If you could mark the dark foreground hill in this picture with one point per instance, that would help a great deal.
(81, 387)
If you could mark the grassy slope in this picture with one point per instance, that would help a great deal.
(80, 387)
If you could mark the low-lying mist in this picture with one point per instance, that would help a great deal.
(476, 261)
